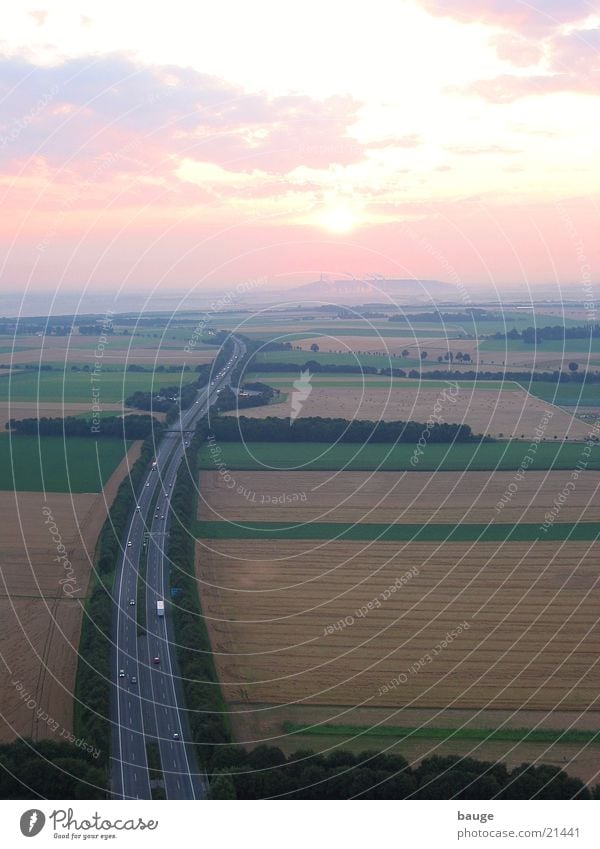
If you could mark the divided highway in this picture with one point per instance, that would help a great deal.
(146, 702)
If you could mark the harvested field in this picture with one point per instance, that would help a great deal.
(402, 497)
(374, 343)
(496, 626)
(507, 412)
(41, 601)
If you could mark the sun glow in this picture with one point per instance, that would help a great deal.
(338, 219)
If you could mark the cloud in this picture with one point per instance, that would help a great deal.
(518, 50)
(572, 65)
(481, 150)
(84, 108)
(409, 141)
(535, 17)
(39, 17)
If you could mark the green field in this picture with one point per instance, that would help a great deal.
(300, 357)
(572, 346)
(331, 335)
(374, 382)
(424, 732)
(305, 456)
(432, 532)
(49, 464)
(74, 386)
(566, 394)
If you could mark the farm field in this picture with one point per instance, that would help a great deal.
(451, 497)
(41, 601)
(556, 346)
(531, 628)
(342, 381)
(317, 456)
(566, 394)
(76, 349)
(267, 724)
(76, 387)
(51, 409)
(402, 532)
(29, 464)
(504, 413)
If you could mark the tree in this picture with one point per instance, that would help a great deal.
(440, 359)
(573, 366)
(314, 347)
(405, 353)
(222, 786)
(423, 355)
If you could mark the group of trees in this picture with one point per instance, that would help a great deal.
(535, 335)
(48, 769)
(111, 427)
(317, 429)
(449, 357)
(265, 772)
(474, 314)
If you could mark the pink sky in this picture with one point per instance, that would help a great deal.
(433, 139)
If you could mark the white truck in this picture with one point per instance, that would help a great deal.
(160, 608)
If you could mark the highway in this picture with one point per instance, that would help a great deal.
(146, 698)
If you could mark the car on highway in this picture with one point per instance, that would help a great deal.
(131, 602)
(129, 543)
(147, 484)
(156, 659)
(138, 507)
(121, 673)
(133, 679)
(175, 735)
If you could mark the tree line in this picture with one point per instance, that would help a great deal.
(534, 335)
(313, 366)
(111, 427)
(265, 772)
(318, 429)
(443, 317)
(48, 769)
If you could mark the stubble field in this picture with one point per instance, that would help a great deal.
(41, 597)
(505, 412)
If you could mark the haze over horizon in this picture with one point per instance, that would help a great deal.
(136, 153)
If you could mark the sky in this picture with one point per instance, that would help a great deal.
(192, 145)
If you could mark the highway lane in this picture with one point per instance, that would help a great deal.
(146, 702)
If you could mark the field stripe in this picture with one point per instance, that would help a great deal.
(442, 532)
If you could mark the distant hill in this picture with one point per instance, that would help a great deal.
(376, 291)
